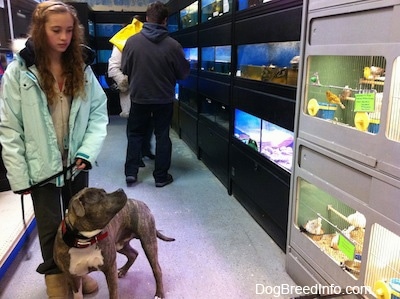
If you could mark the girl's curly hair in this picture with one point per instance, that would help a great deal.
(72, 58)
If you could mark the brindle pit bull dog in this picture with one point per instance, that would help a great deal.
(97, 226)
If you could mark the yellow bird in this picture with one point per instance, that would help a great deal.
(334, 99)
(367, 73)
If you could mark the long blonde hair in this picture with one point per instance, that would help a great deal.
(72, 58)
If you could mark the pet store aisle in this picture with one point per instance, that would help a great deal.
(220, 251)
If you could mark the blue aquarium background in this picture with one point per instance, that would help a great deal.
(243, 4)
(208, 9)
(107, 30)
(271, 140)
(216, 59)
(189, 15)
(278, 54)
(103, 82)
(192, 55)
(91, 28)
(247, 126)
(177, 91)
(103, 56)
(173, 23)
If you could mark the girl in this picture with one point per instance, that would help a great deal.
(53, 115)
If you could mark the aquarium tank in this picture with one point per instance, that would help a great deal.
(107, 30)
(269, 62)
(270, 140)
(216, 59)
(191, 54)
(214, 8)
(189, 15)
(173, 23)
(243, 4)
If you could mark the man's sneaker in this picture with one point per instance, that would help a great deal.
(169, 180)
(130, 179)
(150, 156)
(141, 163)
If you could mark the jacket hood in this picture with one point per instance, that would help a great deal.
(154, 32)
(28, 53)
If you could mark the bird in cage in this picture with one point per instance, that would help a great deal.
(346, 93)
(334, 99)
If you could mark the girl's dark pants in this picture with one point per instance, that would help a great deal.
(49, 204)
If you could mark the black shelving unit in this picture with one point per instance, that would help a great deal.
(260, 185)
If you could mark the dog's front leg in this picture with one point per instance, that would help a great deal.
(112, 280)
(131, 254)
(76, 286)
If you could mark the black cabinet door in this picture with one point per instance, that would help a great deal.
(213, 150)
(264, 193)
(188, 127)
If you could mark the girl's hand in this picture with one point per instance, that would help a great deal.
(80, 164)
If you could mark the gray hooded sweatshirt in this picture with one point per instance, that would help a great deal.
(153, 61)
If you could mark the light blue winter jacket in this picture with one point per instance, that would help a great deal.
(30, 151)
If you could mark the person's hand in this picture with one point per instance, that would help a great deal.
(80, 164)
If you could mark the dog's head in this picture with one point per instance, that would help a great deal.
(93, 208)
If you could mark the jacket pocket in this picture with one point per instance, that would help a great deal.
(30, 92)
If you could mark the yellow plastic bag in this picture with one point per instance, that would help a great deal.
(120, 38)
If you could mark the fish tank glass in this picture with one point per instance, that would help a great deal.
(216, 59)
(177, 91)
(269, 62)
(173, 23)
(91, 28)
(103, 81)
(270, 140)
(216, 112)
(337, 229)
(214, 8)
(107, 30)
(348, 91)
(103, 56)
(189, 15)
(243, 4)
(191, 54)
(188, 98)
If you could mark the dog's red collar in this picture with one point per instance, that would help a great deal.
(78, 241)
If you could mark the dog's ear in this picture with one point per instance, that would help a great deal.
(78, 207)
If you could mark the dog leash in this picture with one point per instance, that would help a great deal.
(27, 239)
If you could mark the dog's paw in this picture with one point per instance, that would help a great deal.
(121, 273)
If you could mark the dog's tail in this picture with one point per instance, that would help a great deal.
(164, 238)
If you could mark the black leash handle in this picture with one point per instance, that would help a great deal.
(64, 172)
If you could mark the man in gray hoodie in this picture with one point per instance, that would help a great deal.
(153, 61)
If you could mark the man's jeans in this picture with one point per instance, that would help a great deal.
(138, 123)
